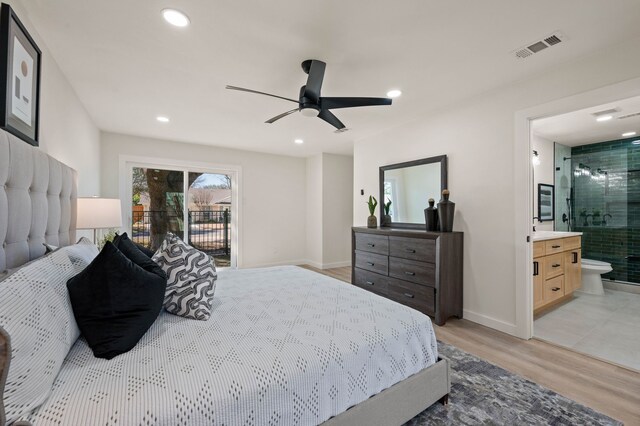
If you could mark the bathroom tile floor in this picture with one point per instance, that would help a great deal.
(607, 327)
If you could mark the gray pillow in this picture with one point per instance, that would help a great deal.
(191, 278)
(37, 314)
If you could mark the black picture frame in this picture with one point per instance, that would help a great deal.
(442, 159)
(20, 95)
(546, 202)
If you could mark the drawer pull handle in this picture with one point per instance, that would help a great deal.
(535, 268)
(555, 246)
(409, 273)
(371, 245)
(410, 250)
(555, 289)
(368, 282)
(409, 295)
(370, 263)
(556, 265)
(575, 257)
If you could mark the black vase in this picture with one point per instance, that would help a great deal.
(431, 216)
(446, 210)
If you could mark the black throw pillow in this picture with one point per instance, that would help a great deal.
(134, 254)
(147, 252)
(115, 302)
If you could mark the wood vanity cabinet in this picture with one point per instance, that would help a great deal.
(422, 270)
(557, 270)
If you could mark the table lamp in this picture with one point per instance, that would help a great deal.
(99, 213)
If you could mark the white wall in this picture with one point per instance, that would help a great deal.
(273, 198)
(66, 129)
(314, 211)
(337, 210)
(329, 210)
(543, 173)
(478, 136)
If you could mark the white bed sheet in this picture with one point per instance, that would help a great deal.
(284, 346)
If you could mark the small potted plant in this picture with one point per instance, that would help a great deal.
(386, 219)
(372, 221)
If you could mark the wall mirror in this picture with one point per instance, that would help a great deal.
(409, 185)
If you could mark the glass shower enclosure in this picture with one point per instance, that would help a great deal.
(598, 194)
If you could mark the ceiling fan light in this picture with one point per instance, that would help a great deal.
(310, 112)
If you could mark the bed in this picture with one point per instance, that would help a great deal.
(285, 346)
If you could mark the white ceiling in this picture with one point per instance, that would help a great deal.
(128, 65)
(581, 128)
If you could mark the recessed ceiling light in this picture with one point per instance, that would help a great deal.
(604, 118)
(175, 17)
(628, 134)
(298, 141)
(162, 119)
(394, 93)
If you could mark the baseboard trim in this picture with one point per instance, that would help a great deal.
(318, 265)
(490, 322)
(282, 263)
(620, 286)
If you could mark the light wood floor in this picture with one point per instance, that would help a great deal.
(610, 389)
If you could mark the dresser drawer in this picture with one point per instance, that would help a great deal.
(413, 248)
(372, 243)
(553, 246)
(372, 262)
(371, 281)
(414, 271)
(413, 295)
(553, 289)
(553, 265)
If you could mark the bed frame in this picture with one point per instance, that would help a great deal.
(36, 183)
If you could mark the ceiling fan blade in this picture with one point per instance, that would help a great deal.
(259, 93)
(284, 114)
(327, 116)
(333, 103)
(314, 81)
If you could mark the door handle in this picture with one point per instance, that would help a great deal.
(575, 257)
(535, 268)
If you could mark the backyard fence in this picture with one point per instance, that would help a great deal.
(208, 230)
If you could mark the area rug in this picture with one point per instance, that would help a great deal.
(483, 393)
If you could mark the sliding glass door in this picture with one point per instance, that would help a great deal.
(197, 206)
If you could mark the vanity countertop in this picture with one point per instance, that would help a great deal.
(552, 235)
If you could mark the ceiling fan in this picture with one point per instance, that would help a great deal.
(311, 104)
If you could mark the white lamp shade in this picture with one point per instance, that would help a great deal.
(99, 213)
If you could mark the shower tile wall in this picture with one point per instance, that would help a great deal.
(607, 182)
(563, 181)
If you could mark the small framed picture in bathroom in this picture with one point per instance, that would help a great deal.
(545, 202)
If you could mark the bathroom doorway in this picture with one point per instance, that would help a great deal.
(586, 248)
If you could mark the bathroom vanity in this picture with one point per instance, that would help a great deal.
(556, 267)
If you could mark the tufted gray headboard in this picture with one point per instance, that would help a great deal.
(38, 197)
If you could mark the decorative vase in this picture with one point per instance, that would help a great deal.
(431, 216)
(446, 210)
(386, 220)
(372, 221)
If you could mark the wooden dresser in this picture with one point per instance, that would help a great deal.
(422, 270)
(557, 271)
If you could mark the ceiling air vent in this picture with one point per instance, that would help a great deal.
(635, 114)
(605, 112)
(539, 45)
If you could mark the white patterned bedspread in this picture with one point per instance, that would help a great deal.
(284, 346)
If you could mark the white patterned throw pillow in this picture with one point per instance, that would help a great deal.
(36, 313)
(191, 278)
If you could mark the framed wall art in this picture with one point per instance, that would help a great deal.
(20, 70)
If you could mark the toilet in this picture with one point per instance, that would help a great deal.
(591, 276)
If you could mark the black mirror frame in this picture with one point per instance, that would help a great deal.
(442, 159)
